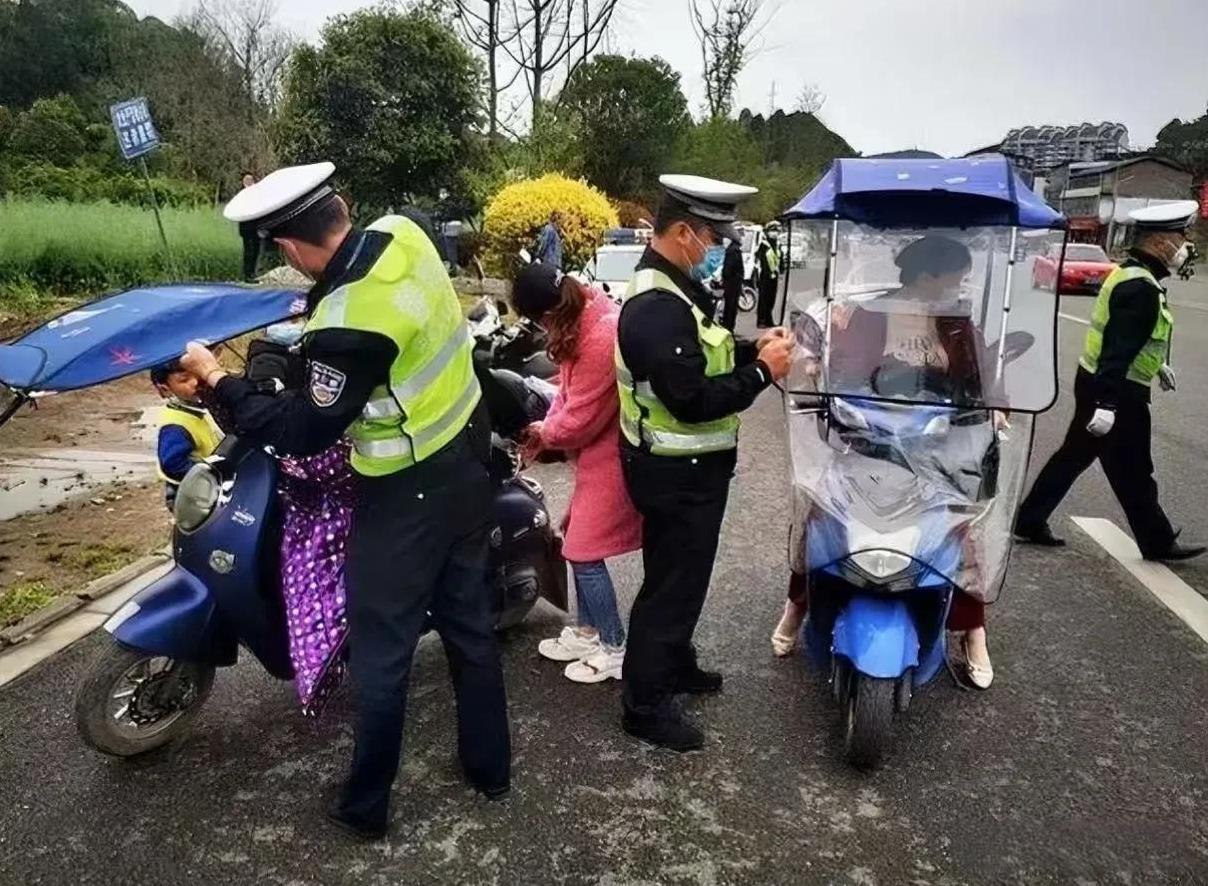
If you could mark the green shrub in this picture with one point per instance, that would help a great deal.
(83, 249)
(86, 184)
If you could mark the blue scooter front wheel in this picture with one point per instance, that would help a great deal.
(868, 719)
(132, 701)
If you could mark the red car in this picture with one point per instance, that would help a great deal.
(1085, 267)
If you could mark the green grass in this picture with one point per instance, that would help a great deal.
(21, 600)
(97, 560)
(85, 249)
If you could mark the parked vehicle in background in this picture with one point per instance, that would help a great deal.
(1086, 265)
(613, 265)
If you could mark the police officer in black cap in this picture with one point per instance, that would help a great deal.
(1127, 348)
(682, 380)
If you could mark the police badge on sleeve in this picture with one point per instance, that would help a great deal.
(326, 384)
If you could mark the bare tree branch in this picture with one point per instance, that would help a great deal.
(244, 35)
(811, 99)
(726, 30)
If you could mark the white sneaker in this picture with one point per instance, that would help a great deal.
(603, 665)
(570, 645)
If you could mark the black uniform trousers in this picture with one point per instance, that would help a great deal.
(729, 307)
(682, 502)
(419, 545)
(768, 287)
(1125, 456)
(251, 252)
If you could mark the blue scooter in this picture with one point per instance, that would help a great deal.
(149, 681)
(909, 413)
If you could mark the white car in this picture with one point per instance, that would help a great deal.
(613, 266)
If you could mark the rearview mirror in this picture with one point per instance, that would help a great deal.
(1016, 344)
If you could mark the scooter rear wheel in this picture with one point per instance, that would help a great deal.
(868, 720)
(747, 299)
(131, 702)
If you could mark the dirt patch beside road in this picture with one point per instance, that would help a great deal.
(97, 418)
(43, 556)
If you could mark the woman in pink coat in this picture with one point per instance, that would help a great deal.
(602, 521)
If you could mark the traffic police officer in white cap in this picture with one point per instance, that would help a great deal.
(389, 366)
(1127, 348)
(682, 380)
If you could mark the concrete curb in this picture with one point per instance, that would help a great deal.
(53, 612)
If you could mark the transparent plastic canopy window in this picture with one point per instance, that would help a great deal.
(938, 316)
(938, 350)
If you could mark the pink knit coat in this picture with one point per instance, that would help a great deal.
(583, 420)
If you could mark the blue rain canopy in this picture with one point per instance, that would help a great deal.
(967, 192)
(136, 330)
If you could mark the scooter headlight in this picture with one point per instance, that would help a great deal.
(196, 497)
(881, 564)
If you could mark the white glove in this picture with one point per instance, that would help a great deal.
(1166, 378)
(1101, 422)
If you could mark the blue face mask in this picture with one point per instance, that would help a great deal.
(715, 257)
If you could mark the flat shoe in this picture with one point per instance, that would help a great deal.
(783, 645)
(980, 676)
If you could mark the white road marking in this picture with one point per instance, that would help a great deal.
(1074, 319)
(1175, 594)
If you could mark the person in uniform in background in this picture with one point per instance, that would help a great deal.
(549, 242)
(250, 237)
(1127, 348)
(767, 263)
(682, 380)
(187, 433)
(389, 364)
(732, 273)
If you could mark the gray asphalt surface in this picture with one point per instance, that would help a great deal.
(1084, 764)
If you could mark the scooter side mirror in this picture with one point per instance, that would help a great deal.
(1016, 344)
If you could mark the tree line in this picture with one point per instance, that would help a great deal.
(437, 103)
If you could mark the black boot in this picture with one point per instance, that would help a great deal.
(353, 826)
(696, 681)
(1177, 552)
(667, 728)
(1038, 535)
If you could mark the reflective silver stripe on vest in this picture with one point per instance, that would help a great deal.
(387, 407)
(642, 388)
(428, 373)
(403, 446)
(687, 443)
(382, 407)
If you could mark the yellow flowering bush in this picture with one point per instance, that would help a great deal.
(517, 213)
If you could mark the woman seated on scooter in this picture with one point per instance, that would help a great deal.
(583, 421)
(923, 347)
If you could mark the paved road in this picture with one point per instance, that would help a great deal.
(1084, 764)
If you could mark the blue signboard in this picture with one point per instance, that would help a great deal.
(135, 130)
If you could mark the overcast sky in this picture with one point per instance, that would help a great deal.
(944, 75)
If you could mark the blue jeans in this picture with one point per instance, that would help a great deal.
(598, 602)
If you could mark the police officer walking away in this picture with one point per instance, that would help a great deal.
(733, 273)
(682, 382)
(1127, 347)
(389, 364)
(768, 263)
